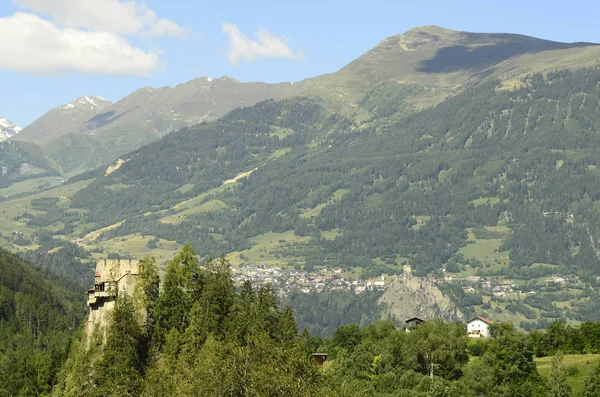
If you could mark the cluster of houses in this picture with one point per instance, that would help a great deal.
(500, 288)
(477, 327)
(317, 281)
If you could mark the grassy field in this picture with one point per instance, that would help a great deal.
(485, 200)
(584, 363)
(31, 185)
(317, 210)
(261, 252)
(212, 205)
(485, 251)
(197, 201)
(135, 246)
(11, 209)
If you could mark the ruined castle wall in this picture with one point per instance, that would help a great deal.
(114, 269)
(119, 277)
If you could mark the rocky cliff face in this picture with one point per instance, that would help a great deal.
(409, 296)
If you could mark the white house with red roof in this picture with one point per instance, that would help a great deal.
(478, 327)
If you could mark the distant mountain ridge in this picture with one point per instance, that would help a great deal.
(400, 75)
(92, 131)
(8, 129)
(62, 120)
(443, 62)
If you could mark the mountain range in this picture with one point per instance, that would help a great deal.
(92, 131)
(427, 65)
(469, 154)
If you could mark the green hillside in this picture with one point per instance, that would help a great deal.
(497, 182)
(432, 63)
(19, 163)
(517, 148)
(39, 315)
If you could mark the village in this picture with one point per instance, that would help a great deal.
(501, 287)
(317, 281)
(322, 280)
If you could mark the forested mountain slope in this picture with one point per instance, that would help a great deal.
(17, 164)
(525, 158)
(39, 315)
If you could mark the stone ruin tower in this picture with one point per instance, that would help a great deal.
(113, 277)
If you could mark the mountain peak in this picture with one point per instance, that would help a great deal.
(7, 129)
(430, 29)
(91, 101)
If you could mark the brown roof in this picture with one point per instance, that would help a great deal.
(97, 275)
(485, 320)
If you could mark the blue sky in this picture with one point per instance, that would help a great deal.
(54, 51)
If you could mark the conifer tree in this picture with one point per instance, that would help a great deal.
(288, 329)
(147, 291)
(175, 302)
(218, 296)
(119, 372)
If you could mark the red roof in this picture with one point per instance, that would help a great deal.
(485, 320)
(97, 275)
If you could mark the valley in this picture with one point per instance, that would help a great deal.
(220, 227)
(454, 169)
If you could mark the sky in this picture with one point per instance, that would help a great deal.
(54, 51)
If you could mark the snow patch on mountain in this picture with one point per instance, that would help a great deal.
(8, 129)
(89, 101)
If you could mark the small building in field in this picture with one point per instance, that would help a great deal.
(478, 327)
(412, 323)
(319, 358)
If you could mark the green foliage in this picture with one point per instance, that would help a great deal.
(506, 368)
(581, 339)
(118, 372)
(180, 285)
(592, 384)
(63, 258)
(147, 292)
(38, 316)
(323, 313)
(558, 377)
(239, 342)
(439, 348)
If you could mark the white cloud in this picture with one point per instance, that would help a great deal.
(122, 17)
(267, 45)
(31, 44)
